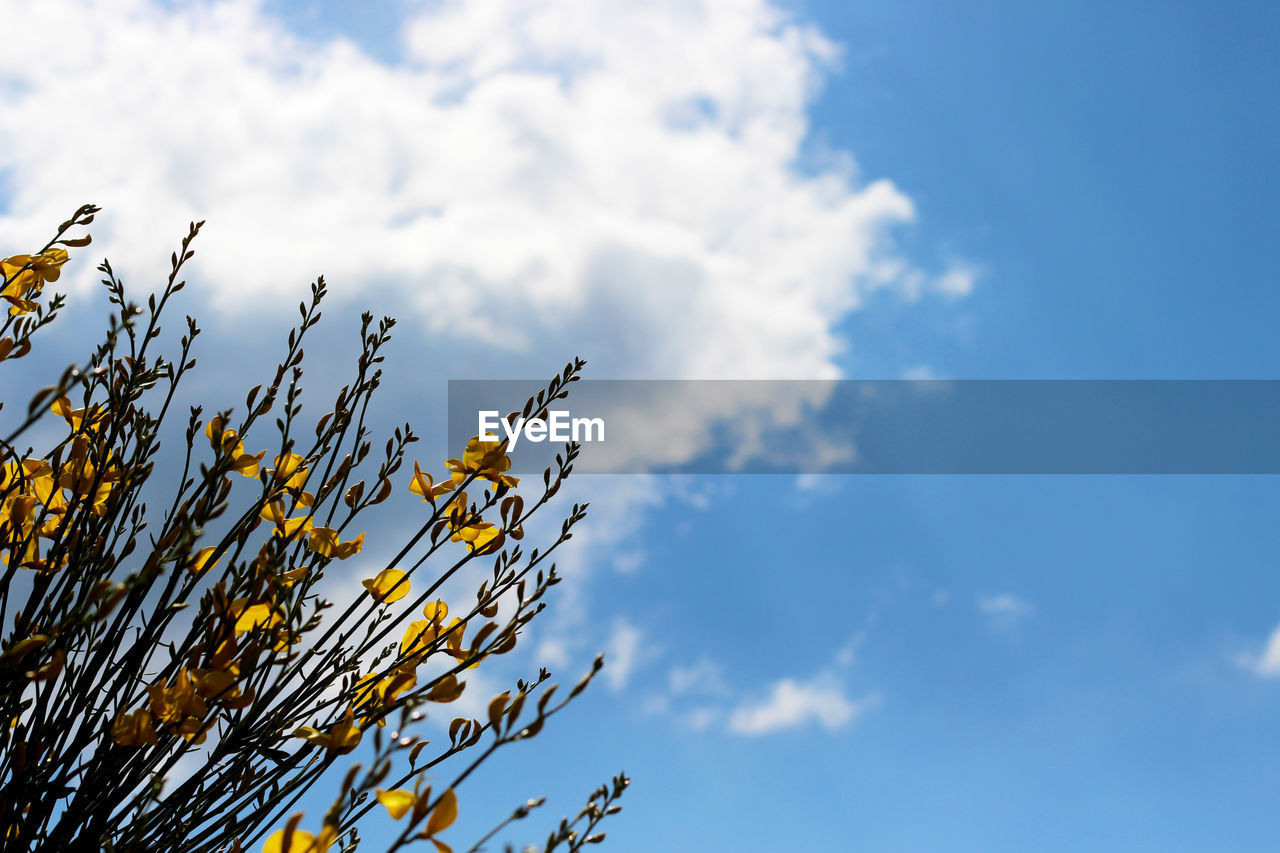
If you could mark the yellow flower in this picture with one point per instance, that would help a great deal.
(398, 802)
(419, 635)
(324, 542)
(92, 418)
(246, 463)
(48, 265)
(453, 640)
(294, 840)
(300, 841)
(228, 441)
(18, 515)
(274, 511)
(390, 585)
(341, 739)
(292, 576)
(485, 459)
(134, 729)
(447, 689)
(179, 707)
(22, 285)
(483, 537)
(290, 471)
(374, 696)
(442, 817)
(200, 560)
(215, 684)
(83, 477)
(422, 484)
(254, 616)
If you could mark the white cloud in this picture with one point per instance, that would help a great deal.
(698, 697)
(1267, 663)
(626, 181)
(553, 652)
(700, 719)
(629, 562)
(615, 520)
(791, 704)
(848, 653)
(919, 371)
(623, 653)
(631, 185)
(703, 677)
(957, 281)
(1004, 610)
(655, 704)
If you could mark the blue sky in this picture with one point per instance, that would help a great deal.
(1109, 165)
(1083, 190)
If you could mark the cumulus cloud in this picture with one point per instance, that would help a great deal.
(634, 185)
(792, 704)
(637, 188)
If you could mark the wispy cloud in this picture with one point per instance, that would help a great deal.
(848, 653)
(1265, 664)
(623, 653)
(1004, 610)
(700, 719)
(699, 696)
(704, 677)
(919, 371)
(792, 704)
(957, 281)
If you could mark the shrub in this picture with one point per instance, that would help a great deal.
(150, 619)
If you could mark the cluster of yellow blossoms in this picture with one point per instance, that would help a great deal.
(398, 804)
(36, 496)
(486, 460)
(289, 477)
(25, 276)
(376, 693)
(181, 705)
(180, 708)
(42, 498)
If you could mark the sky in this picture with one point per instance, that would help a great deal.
(750, 189)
